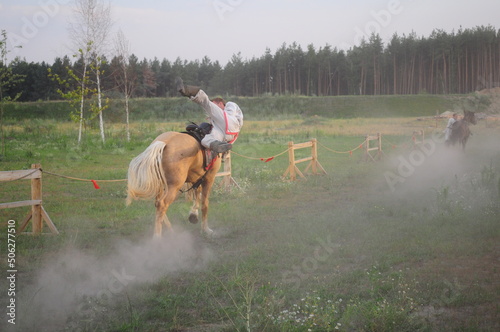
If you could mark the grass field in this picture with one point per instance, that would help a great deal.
(408, 243)
(256, 108)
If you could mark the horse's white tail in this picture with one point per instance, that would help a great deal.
(145, 174)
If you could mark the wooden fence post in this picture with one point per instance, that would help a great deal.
(293, 170)
(378, 148)
(37, 213)
(314, 153)
(36, 194)
(227, 179)
(418, 138)
(379, 145)
(291, 162)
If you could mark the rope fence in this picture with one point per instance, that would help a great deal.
(38, 213)
(28, 173)
(266, 159)
(414, 139)
(94, 182)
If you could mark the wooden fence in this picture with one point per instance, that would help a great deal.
(314, 164)
(418, 138)
(37, 213)
(227, 179)
(373, 152)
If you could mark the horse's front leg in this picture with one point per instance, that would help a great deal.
(205, 193)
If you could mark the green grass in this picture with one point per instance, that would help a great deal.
(334, 252)
(255, 108)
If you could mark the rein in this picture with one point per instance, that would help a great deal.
(198, 182)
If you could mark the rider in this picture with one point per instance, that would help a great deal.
(226, 118)
(449, 126)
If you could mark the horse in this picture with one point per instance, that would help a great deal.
(160, 171)
(460, 131)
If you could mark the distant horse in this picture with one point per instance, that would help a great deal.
(160, 171)
(460, 131)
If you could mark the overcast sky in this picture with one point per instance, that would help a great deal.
(193, 29)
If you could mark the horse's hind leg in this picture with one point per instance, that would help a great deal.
(161, 217)
(162, 206)
(193, 213)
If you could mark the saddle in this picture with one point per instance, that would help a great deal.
(199, 132)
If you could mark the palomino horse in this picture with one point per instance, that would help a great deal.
(160, 171)
(460, 131)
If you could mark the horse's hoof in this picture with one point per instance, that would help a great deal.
(193, 218)
(208, 232)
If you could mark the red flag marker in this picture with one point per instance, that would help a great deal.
(96, 186)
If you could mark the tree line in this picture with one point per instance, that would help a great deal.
(442, 63)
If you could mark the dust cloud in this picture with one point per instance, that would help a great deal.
(72, 284)
(433, 166)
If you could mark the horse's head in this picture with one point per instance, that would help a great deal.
(470, 117)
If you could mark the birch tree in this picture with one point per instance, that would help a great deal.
(89, 32)
(125, 82)
(7, 80)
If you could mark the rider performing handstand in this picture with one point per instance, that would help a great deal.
(226, 118)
